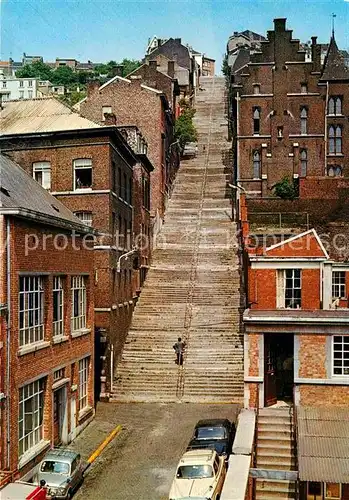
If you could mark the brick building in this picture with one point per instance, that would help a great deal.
(93, 171)
(208, 66)
(289, 114)
(153, 75)
(46, 321)
(134, 103)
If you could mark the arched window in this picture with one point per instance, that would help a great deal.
(256, 120)
(331, 106)
(304, 121)
(304, 163)
(334, 171)
(334, 105)
(256, 165)
(335, 139)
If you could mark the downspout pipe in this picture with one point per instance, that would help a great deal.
(326, 133)
(8, 339)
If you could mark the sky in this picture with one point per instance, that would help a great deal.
(103, 30)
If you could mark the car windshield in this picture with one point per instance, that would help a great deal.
(53, 467)
(210, 433)
(194, 471)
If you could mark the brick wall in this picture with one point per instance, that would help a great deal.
(313, 395)
(48, 259)
(134, 105)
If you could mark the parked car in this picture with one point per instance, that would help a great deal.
(200, 474)
(62, 471)
(217, 434)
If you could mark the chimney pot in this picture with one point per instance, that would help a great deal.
(109, 119)
(280, 24)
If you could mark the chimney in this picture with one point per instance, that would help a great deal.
(280, 24)
(315, 54)
(171, 68)
(92, 87)
(153, 65)
(109, 119)
(178, 40)
(159, 42)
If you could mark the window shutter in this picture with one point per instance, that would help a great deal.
(280, 288)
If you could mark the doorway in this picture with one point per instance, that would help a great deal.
(59, 416)
(278, 368)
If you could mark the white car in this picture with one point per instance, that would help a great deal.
(200, 475)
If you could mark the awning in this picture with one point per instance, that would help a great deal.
(323, 444)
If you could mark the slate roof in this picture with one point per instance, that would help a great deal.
(40, 115)
(323, 444)
(21, 195)
(334, 65)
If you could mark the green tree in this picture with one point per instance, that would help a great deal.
(64, 76)
(73, 97)
(129, 65)
(225, 67)
(35, 70)
(185, 130)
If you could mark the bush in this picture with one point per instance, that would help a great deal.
(286, 189)
(185, 130)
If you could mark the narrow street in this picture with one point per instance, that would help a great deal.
(139, 464)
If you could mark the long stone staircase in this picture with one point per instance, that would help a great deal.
(193, 286)
(275, 450)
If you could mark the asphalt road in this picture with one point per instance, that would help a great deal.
(140, 463)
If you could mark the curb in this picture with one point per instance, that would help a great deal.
(103, 445)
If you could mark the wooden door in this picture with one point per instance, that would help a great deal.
(56, 418)
(270, 395)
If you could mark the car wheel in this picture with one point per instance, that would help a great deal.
(69, 495)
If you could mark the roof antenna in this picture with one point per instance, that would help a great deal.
(333, 16)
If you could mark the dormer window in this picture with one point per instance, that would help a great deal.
(334, 105)
(256, 120)
(82, 174)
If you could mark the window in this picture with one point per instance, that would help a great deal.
(31, 310)
(30, 83)
(83, 382)
(341, 355)
(256, 120)
(121, 234)
(30, 94)
(334, 171)
(42, 173)
(119, 182)
(30, 415)
(78, 319)
(21, 83)
(289, 289)
(146, 193)
(333, 490)
(335, 140)
(256, 89)
(304, 121)
(280, 132)
(314, 491)
(256, 165)
(58, 374)
(130, 191)
(85, 217)
(124, 190)
(58, 306)
(304, 163)
(4, 84)
(106, 110)
(304, 88)
(21, 94)
(338, 284)
(334, 106)
(83, 174)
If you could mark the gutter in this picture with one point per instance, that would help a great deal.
(290, 319)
